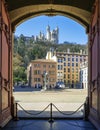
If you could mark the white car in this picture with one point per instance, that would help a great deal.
(60, 85)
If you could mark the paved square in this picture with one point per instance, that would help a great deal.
(66, 100)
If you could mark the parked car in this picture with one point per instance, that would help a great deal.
(60, 85)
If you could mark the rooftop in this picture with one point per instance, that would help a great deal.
(43, 60)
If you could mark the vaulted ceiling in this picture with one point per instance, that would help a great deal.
(78, 10)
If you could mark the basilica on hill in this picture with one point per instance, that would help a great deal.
(51, 36)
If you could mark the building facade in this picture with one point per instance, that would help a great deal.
(36, 70)
(69, 67)
(84, 75)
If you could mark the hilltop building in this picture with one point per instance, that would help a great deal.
(51, 36)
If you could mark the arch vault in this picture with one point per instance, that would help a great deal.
(14, 12)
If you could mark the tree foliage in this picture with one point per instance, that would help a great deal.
(26, 50)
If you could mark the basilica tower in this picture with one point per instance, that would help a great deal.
(52, 36)
(48, 33)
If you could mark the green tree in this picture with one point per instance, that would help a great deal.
(19, 73)
(27, 50)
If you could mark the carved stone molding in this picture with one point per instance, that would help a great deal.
(0, 80)
(50, 1)
(4, 83)
(6, 30)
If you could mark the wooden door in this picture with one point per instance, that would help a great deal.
(94, 90)
(5, 65)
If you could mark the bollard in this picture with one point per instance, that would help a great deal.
(16, 117)
(51, 120)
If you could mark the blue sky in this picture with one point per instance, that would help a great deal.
(69, 30)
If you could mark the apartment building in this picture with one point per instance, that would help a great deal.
(84, 75)
(68, 66)
(36, 70)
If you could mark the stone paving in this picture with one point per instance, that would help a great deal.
(45, 125)
(66, 100)
(35, 101)
(58, 95)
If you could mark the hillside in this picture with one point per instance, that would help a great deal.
(26, 50)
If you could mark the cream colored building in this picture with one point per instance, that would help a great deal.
(84, 75)
(37, 68)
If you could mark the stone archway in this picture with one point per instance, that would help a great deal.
(86, 12)
(51, 10)
(20, 11)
